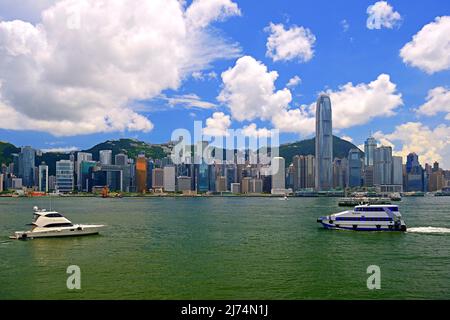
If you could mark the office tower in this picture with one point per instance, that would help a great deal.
(221, 184)
(121, 159)
(257, 185)
(310, 171)
(299, 163)
(43, 177)
(290, 176)
(85, 181)
(278, 176)
(141, 174)
(436, 180)
(52, 183)
(231, 174)
(16, 183)
(16, 164)
(26, 166)
(324, 144)
(1, 182)
(64, 176)
(158, 178)
(110, 176)
(435, 167)
(150, 167)
(245, 185)
(105, 156)
(340, 169)
(201, 177)
(184, 183)
(369, 151)
(368, 176)
(212, 174)
(383, 166)
(81, 156)
(397, 171)
(414, 173)
(169, 178)
(354, 168)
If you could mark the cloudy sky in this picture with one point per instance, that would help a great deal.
(76, 72)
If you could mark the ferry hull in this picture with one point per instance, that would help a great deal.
(363, 227)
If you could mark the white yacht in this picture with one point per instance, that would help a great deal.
(366, 218)
(52, 224)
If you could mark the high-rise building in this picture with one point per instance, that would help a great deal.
(278, 176)
(299, 166)
(340, 169)
(1, 182)
(202, 177)
(64, 176)
(169, 178)
(383, 166)
(121, 159)
(141, 174)
(369, 151)
(245, 185)
(324, 144)
(397, 171)
(43, 178)
(235, 188)
(105, 157)
(26, 166)
(184, 183)
(221, 184)
(310, 170)
(81, 156)
(85, 175)
(414, 174)
(354, 168)
(158, 178)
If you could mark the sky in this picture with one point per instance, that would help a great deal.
(75, 73)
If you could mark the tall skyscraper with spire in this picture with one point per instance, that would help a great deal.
(324, 144)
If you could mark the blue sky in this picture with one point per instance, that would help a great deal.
(345, 50)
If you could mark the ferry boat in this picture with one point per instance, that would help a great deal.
(47, 224)
(366, 218)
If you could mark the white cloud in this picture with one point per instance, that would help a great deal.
(200, 76)
(249, 91)
(217, 125)
(295, 43)
(252, 131)
(430, 144)
(429, 49)
(345, 25)
(347, 138)
(202, 12)
(79, 69)
(189, 101)
(382, 14)
(293, 82)
(438, 100)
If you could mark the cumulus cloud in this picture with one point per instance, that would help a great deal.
(202, 12)
(61, 150)
(252, 131)
(438, 100)
(430, 144)
(294, 43)
(188, 101)
(80, 68)
(293, 82)
(382, 14)
(429, 49)
(217, 125)
(249, 92)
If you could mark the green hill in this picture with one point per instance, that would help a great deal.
(6, 150)
(306, 147)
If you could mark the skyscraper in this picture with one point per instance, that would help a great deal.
(141, 174)
(414, 173)
(105, 156)
(81, 156)
(369, 150)
(383, 166)
(64, 176)
(324, 144)
(121, 159)
(354, 168)
(169, 178)
(26, 166)
(278, 176)
(43, 178)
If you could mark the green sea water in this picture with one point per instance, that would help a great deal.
(224, 248)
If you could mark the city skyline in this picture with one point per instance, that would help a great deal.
(381, 80)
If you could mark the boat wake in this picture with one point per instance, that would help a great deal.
(428, 230)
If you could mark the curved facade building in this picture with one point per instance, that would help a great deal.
(324, 144)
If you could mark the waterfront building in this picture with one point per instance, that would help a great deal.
(43, 178)
(150, 166)
(245, 185)
(383, 166)
(64, 176)
(369, 151)
(27, 166)
(278, 176)
(113, 176)
(257, 185)
(415, 175)
(169, 178)
(15, 164)
(340, 167)
(231, 175)
(202, 177)
(141, 174)
(81, 156)
(1, 182)
(184, 183)
(354, 168)
(368, 176)
(310, 171)
(221, 184)
(299, 166)
(236, 188)
(16, 183)
(158, 178)
(324, 144)
(85, 181)
(105, 157)
(436, 180)
(397, 171)
(52, 183)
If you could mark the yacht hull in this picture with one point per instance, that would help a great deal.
(80, 230)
